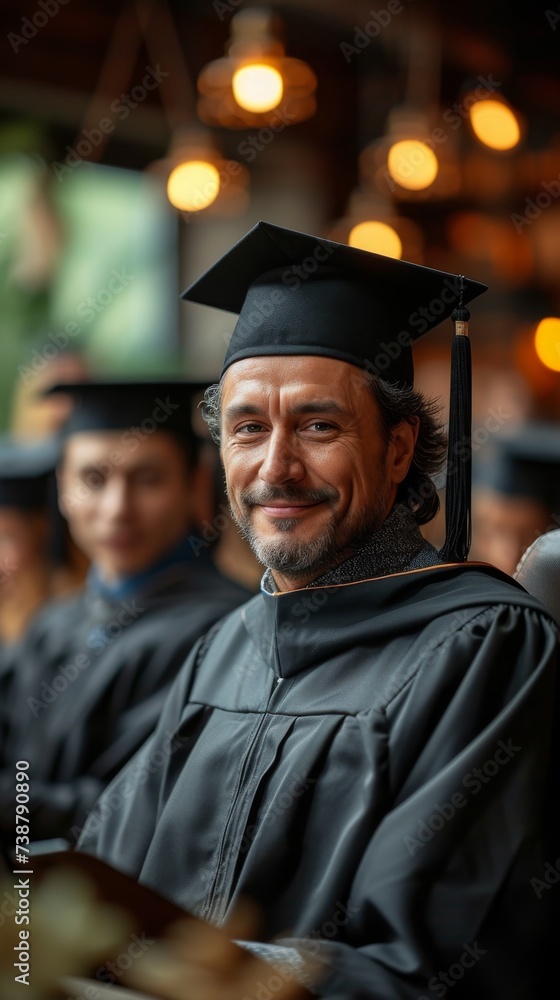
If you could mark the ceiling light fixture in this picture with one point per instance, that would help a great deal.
(495, 124)
(245, 87)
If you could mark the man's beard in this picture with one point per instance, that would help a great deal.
(314, 557)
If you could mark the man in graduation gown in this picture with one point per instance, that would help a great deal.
(26, 532)
(516, 494)
(28, 523)
(364, 749)
(90, 675)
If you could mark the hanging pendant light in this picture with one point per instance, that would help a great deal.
(372, 223)
(255, 78)
(198, 178)
(547, 342)
(495, 124)
(416, 158)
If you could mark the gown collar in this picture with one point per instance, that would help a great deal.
(299, 630)
(154, 575)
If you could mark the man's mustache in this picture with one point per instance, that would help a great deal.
(288, 494)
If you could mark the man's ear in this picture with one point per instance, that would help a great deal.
(202, 485)
(61, 477)
(401, 448)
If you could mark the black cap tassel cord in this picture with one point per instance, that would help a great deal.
(459, 448)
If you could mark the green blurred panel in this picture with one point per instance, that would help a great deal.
(90, 261)
(117, 274)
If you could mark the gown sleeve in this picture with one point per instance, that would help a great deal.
(130, 807)
(450, 896)
(114, 717)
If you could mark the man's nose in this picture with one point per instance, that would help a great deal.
(282, 462)
(115, 500)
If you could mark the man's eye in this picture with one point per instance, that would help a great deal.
(320, 425)
(249, 429)
(93, 479)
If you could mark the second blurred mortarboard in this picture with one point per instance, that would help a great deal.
(118, 404)
(524, 464)
(27, 472)
(298, 294)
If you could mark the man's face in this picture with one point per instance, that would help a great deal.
(127, 501)
(22, 544)
(308, 472)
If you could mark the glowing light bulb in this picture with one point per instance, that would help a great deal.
(377, 237)
(547, 342)
(412, 164)
(258, 87)
(193, 186)
(495, 124)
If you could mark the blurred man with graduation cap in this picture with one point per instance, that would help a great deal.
(365, 744)
(27, 491)
(91, 672)
(516, 494)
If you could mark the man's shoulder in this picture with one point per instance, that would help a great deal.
(229, 631)
(58, 613)
(440, 600)
(194, 586)
(180, 621)
(500, 589)
(447, 601)
(459, 585)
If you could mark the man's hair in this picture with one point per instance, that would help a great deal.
(396, 403)
(189, 445)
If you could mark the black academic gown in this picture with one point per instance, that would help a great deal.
(369, 763)
(89, 682)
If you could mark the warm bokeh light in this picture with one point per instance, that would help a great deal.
(377, 237)
(547, 342)
(495, 124)
(193, 186)
(257, 87)
(412, 164)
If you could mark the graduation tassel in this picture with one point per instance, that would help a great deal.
(459, 448)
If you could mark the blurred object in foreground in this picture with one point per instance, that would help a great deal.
(201, 962)
(539, 571)
(69, 931)
(109, 930)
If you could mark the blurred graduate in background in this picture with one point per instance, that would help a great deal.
(27, 531)
(516, 493)
(37, 415)
(90, 675)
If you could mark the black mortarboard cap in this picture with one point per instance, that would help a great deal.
(116, 404)
(301, 294)
(27, 472)
(524, 463)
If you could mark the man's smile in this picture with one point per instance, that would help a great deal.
(278, 509)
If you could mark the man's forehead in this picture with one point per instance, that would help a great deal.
(294, 374)
(125, 449)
